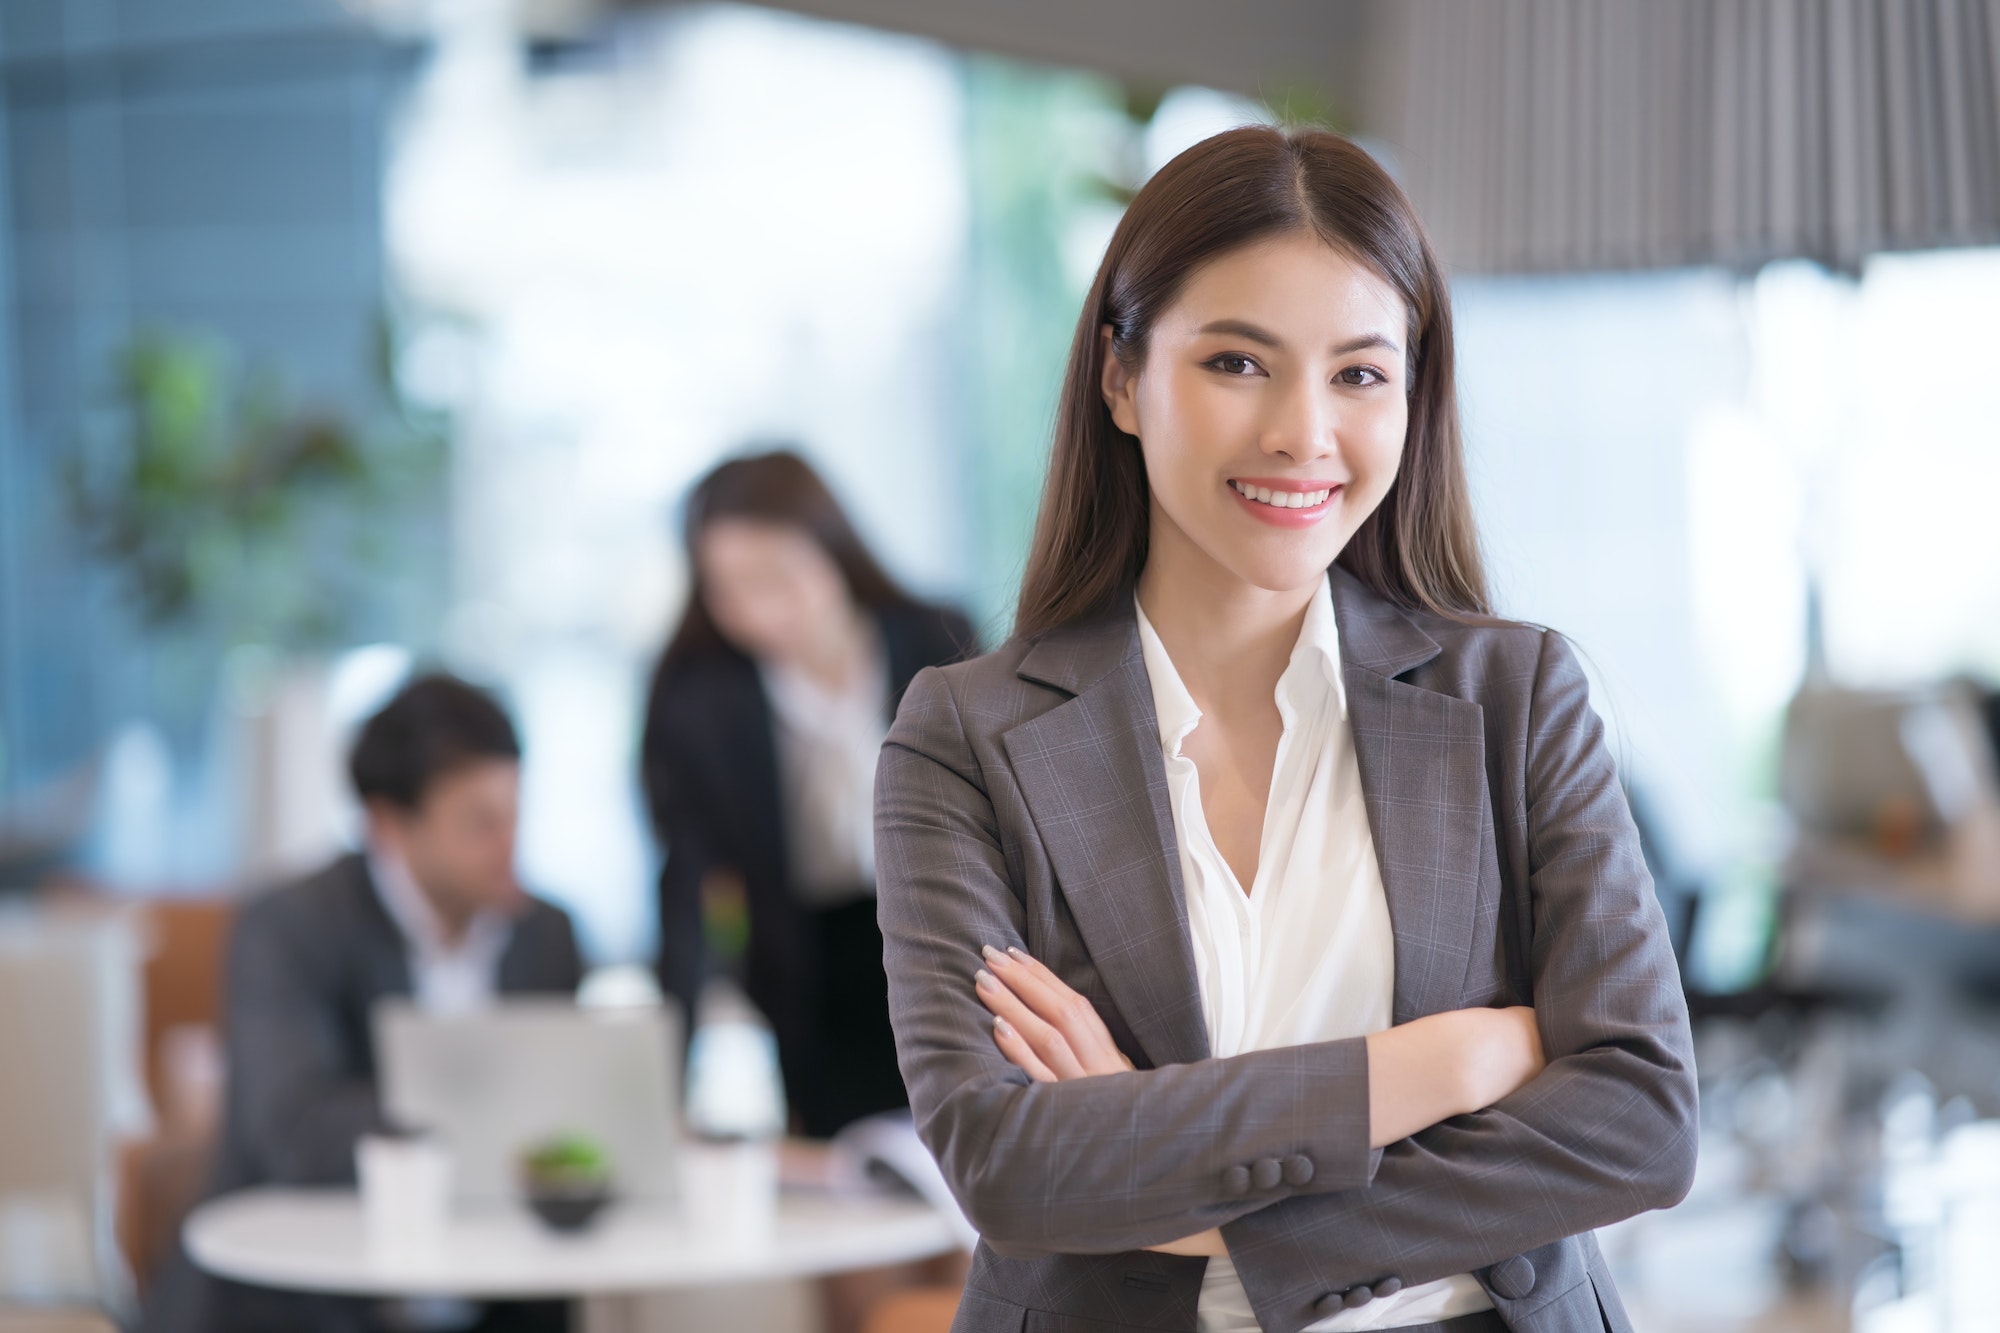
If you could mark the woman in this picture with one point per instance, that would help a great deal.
(767, 712)
(1214, 899)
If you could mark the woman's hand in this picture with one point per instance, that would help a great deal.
(1419, 1073)
(1510, 1053)
(1447, 1064)
(1052, 1033)
(1042, 1026)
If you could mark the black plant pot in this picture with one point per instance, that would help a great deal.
(568, 1208)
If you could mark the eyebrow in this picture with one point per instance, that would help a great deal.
(1253, 333)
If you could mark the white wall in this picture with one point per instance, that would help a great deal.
(1658, 460)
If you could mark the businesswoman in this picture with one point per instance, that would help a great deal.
(1216, 899)
(767, 713)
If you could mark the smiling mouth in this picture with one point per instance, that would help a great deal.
(1282, 499)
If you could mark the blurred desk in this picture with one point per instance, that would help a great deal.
(1961, 888)
(311, 1240)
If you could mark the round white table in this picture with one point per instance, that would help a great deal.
(312, 1240)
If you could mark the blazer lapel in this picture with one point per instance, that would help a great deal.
(1422, 756)
(1091, 773)
(379, 958)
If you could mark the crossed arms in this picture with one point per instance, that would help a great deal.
(1139, 1158)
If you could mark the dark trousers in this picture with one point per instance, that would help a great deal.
(839, 1055)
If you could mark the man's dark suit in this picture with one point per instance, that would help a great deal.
(306, 965)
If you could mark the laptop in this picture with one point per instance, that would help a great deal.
(495, 1083)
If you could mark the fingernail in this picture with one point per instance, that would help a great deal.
(1018, 954)
(985, 980)
(1002, 1026)
(995, 957)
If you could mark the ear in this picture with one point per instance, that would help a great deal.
(1120, 386)
(386, 821)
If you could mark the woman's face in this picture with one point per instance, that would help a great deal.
(1270, 410)
(772, 590)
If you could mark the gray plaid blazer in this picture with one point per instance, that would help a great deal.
(1022, 801)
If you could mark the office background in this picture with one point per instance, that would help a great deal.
(423, 315)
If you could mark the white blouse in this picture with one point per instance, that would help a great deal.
(827, 742)
(445, 978)
(1307, 955)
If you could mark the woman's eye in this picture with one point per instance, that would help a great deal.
(1234, 363)
(1362, 375)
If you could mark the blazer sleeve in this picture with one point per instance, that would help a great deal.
(1607, 1131)
(569, 966)
(554, 963)
(1096, 1165)
(301, 1107)
(673, 802)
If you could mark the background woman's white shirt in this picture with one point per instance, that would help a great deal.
(1308, 954)
(828, 741)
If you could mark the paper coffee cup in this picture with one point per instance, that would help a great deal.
(405, 1194)
(729, 1188)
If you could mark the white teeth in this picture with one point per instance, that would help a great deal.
(1282, 499)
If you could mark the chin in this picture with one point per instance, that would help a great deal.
(1282, 571)
(1291, 582)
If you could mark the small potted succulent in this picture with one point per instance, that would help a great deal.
(567, 1181)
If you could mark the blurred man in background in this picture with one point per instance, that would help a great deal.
(430, 910)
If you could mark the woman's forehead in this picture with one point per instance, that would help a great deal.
(736, 539)
(1296, 286)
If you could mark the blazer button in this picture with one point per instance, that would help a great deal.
(1236, 1180)
(1298, 1170)
(1389, 1286)
(1266, 1174)
(1357, 1297)
(1513, 1278)
(1329, 1304)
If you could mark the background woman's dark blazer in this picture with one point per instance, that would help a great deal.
(710, 770)
(1022, 800)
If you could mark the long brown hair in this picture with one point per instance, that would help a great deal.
(774, 487)
(1419, 548)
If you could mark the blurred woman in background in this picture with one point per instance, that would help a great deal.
(767, 712)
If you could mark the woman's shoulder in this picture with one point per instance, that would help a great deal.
(1390, 634)
(1504, 665)
(1487, 643)
(985, 680)
(699, 669)
(702, 691)
(975, 700)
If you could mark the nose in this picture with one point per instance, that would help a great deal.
(1303, 422)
